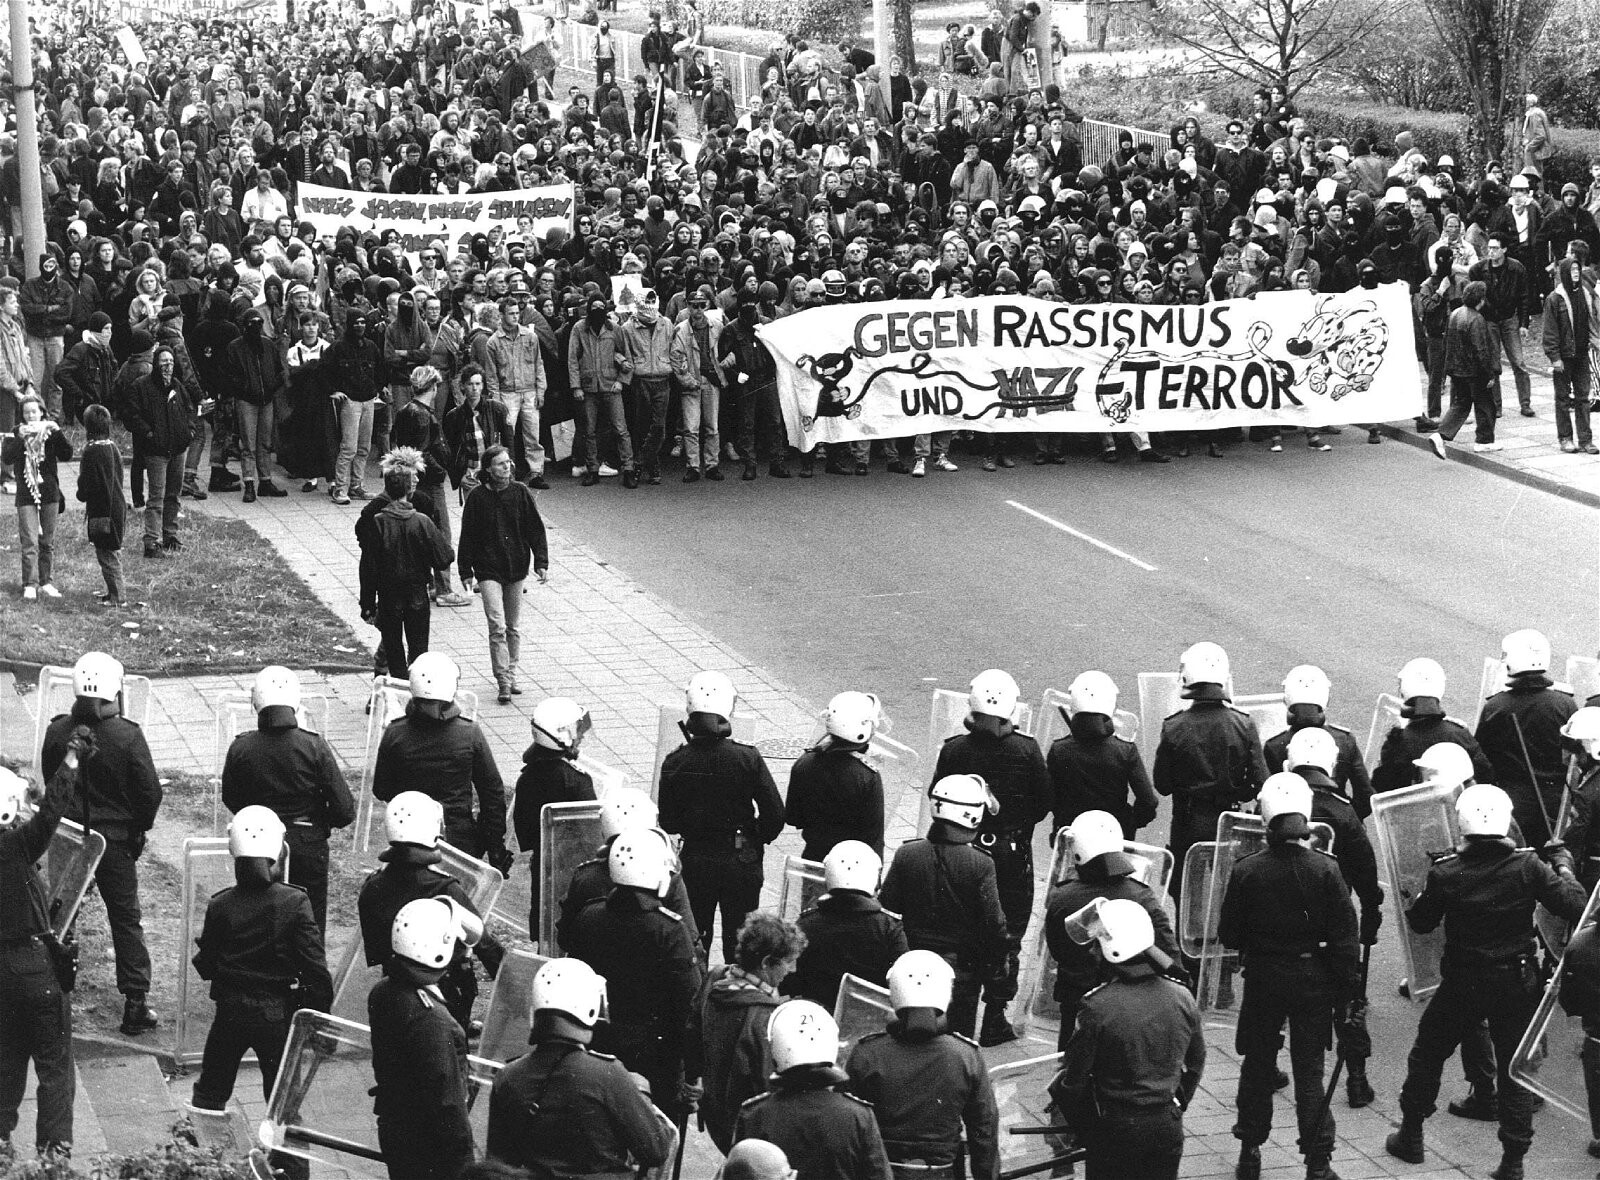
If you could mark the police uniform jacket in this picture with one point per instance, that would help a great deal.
(1358, 864)
(564, 1111)
(945, 891)
(118, 793)
(548, 776)
(591, 881)
(409, 873)
(20, 848)
(1406, 742)
(261, 938)
(1138, 1049)
(1289, 901)
(924, 1090)
(1082, 968)
(289, 769)
(718, 793)
(435, 750)
(419, 1061)
(1485, 896)
(1209, 761)
(1582, 833)
(1010, 762)
(827, 1135)
(1580, 976)
(1349, 772)
(1540, 710)
(846, 931)
(835, 794)
(1091, 770)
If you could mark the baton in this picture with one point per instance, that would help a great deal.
(1550, 830)
(1071, 1157)
(683, 1135)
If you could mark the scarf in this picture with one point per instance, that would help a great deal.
(33, 444)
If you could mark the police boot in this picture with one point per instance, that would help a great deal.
(1356, 1087)
(996, 1029)
(136, 1015)
(1320, 1167)
(1249, 1165)
(1510, 1166)
(1406, 1143)
(1478, 1104)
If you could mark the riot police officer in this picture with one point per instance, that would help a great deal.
(292, 771)
(822, 1129)
(548, 776)
(925, 1082)
(1306, 690)
(944, 890)
(1287, 910)
(1136, 1055)
(437, 750)
(1423, 724)
(35, 1010)
(1101, 869)
(1012, 766)
(1209, 759)
(1091, 768)
(624, 808)
(848, 930)
(1582, 833)
(118, 796)
(1520, 731)
(563, 1109)
(261, 951)
(411, 871)
(650, 965)
(419, 1052)
(719, 796)
(1580, 997)
(834, 792)
(1484, 895)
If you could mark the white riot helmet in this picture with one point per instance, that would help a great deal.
(1484, 810)
(559, 723)
(98, 676)
(640, 858)
(994, 693)
(962, 799)
(1312, 746)
(275, 686)
(570, 987)
(802, 1032)
(434, 677)
(626, 807)
(853, 717)
(1094, 833)
(1421, 677)
(255, 831)
(1306, 685)
(1584, 726)
(1121, 927)
(710, 692)
(1525, 651)
(852, 865)
(414, 818)
(921, 979)
(426, 930)
(13, 796)
(1445, 764)
(1284, 793)
(1092, 692)
(1203, 663)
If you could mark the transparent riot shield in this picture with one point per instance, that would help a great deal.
(1416, 826)
(861, 1009)
(320, 1108)
(387, 704)
(55, 696)
(778, 749)
(67, 869)
(506, 1020)
(1022, 1093)
(1385, 716)
(1050, 722)
(1199, 866)
(1548, 1060)
(803, 883)
(236, 715)
(1267, 710)
(353, 979)
(569, 834)
(949, 712)
(1583, 674)
(207, 869)
(1492, 681)
(1151, 865)
(1159, 698)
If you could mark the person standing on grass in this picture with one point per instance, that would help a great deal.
(500, 530)
(32, 451)
(161, 420)
(100, 492)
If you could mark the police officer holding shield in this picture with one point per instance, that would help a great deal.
(848, 930)
(1520, 731)
(624, 808)
(1423, 724)
(1306, 690)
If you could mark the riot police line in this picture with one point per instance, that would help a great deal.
(838, 1029)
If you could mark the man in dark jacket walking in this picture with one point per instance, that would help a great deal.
(161, 418)
(400, 549)
(257, 376)
(500, 531)
(1472, 359)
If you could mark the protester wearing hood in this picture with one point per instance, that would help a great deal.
(256, 375)
(400, 549)
(1570, 328)
(161, 416)
(47, 302)
(352, 366)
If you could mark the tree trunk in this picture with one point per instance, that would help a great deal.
(905, 44)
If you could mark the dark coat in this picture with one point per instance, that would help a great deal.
(100, 486)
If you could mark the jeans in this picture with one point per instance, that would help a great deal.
(924, 446)
(403, 623)
(653, 394)
(355, 440)
(1436, 375)
(1470, 395)
(701, 410)
(206, 438)
(164, 477)
(440, 495)
(1572, 400)
(111, 569)
(502, 607)
(616, 422)
(44, 354)
(117, 879)
(37, 1017)
(1509, 334)
(36, 528)
(522, 417)
(255, 441)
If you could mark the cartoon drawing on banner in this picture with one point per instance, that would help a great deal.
(1344, 348)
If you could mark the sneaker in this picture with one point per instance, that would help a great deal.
(1317, 444)
(1590, 449)
(311, 485)
(1568, 447)
(1436, 441)
(1215, 450)
(989, 465)
(607, 471)
(31, 593)
(267, 488)
(360, 494)
(341, 499)
(1277, 446)
(453, 599)
(579, 471)
(691, 475)
(1333, 430)
(943, 463)
(49, 591)
(1374, 437)
(714, 474)
(1482, 448)
(1151, 455)
(1110, 456)
(538, 484)
(919, 469)
(1007, 461)
(863, 469)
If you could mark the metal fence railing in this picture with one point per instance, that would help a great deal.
(1100, 139)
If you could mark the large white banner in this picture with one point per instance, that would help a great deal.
(1014, 364)
(420, 219)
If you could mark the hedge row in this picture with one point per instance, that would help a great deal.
(819, 20)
